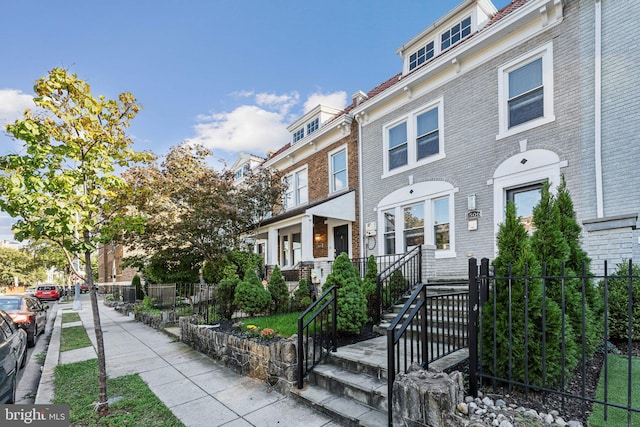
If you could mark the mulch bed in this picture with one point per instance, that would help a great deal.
(569, 408)
(227, 326)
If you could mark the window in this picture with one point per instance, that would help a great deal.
(441, 221)
(389, 232)
(297, 248)
(525, 198)
(415, 140)
(526, 94)
(296, 189)
(525, 90)
(421, 56)
(427, 140)
(413, 225)
(398, 146)
(456, 33)
(243, 171)
(338, 165)
(298, 135)
(312, 126)
(426, 218)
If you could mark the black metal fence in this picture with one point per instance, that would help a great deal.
(398, 279)
(427, 328)
(520, 344)
(317, 333)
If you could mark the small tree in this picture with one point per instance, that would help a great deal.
(62, 188)
(553, 251)
(398, 285)
(225, 292)
(279, 290)
(352, 304)
(517, 314)
(250, 296)
(369, 287)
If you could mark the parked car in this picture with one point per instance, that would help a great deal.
(47, 293)
(13, 356)
(28, 313)
(30, 291)
(84, 288)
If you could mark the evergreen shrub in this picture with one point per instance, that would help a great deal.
(618, 302)
(279, 290)
(352, 304)
(250, 296)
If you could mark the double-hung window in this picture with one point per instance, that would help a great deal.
(296, 192)
(415, 139)
(427, 135)
(398, 146)
(525, 91)
(338, 169)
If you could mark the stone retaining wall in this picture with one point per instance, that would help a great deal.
(275, 363)
(157, 321)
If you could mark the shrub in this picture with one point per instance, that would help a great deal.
(352, 304)
(618, 301)
(135, 282)
(301, 298)
(226, 291)
(369, 288)
(250, 296)
(397, 285)
(279, 290)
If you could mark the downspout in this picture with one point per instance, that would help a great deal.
(598, 109)
(360, 195)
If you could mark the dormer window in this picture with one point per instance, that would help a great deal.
(312, 125)
(455, 34)
(421, 56)
(298, 135)
(243, 171)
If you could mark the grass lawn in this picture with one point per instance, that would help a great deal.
(76, 385)
(617, 390)
(73, 338)
(285, 324)
(70, 317)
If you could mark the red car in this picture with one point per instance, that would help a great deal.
(47, 293)
(28, 313)
(84, 288)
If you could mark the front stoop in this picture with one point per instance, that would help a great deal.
(354, 393)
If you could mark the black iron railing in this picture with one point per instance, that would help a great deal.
(397, 280)
(427, 328)
(317, 334)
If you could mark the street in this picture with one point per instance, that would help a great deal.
(29, 376)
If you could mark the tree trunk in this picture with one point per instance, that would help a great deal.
(103, 406)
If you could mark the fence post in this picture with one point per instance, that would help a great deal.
(474, 307)
(378, 303)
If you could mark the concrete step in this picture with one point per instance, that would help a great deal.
(355, 385)
(344, 410)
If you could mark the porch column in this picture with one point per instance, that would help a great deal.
(307, 238)
(272, 246)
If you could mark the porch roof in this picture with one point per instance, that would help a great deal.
(339, 206)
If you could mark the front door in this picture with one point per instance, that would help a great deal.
(341, 239)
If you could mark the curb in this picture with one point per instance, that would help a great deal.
(46, 387)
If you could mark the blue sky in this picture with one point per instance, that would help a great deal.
(229, 74)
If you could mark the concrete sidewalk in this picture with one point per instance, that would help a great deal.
(198, 390)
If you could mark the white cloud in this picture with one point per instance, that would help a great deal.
(335, 99)
(260, 127)
(247, 128)
(12, 104)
